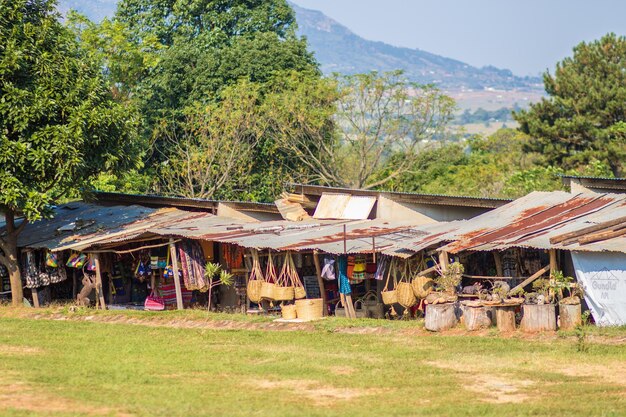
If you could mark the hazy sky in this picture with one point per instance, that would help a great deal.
(525, 36)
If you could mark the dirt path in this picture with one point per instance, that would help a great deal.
(242, 324)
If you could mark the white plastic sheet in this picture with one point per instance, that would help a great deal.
(603, 276)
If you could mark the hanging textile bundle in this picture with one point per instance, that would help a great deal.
(267, 287)
(344, 282)
(328, 272)
(255, 280)
(360, 266)
(381, 267)
(192, 265)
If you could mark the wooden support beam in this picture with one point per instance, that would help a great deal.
(554, 265)
(600, 236)
(587, 230)
(497, 257)
(174, 258)
(35, 297)
(427, 271)
(320, 280)
(99, 289)
(487, 277)
(531, 278)
(444, 260)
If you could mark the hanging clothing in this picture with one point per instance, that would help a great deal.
(192, 265)
(344, 282)
(383, 264)
(328, 271)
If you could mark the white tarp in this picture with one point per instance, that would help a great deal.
(603, 276)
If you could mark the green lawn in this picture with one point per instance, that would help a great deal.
(95, 368)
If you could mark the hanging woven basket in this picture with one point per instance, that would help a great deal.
(390, 296)
(422, 286)
(404, 293)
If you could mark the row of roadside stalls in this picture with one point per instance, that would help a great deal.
(512, 241)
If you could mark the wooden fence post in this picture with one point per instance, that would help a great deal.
(174, 258)
(99, 289)
(320, 280)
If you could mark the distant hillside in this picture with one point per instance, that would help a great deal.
(340, 50)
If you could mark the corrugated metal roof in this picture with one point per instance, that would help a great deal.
(532, 220)
(421, 198)
(344, 206)
(105, 225)
(86, 218)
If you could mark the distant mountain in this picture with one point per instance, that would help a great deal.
(340, 50)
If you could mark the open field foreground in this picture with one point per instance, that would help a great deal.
(191, 363)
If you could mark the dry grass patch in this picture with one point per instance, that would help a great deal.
(17, 395)
(495, 389)
(320, 394)
(19, 350)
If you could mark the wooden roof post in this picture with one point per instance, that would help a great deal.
(35, 297)
(554, 265)
(497, 257)
(174, 258)
(99, 289)
(320, 281)
(443, 260)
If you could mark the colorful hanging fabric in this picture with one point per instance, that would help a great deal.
(344, 282)
(192, 265)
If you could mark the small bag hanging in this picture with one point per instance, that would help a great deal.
(52, 260)
(154, 302)
(390, 296)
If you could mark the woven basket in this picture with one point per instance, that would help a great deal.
(389, 297)
(299, 292)
(288, 311)
(267, 290)
(310, 309)
(254, 290)
(405, 295)
(422, 286)
(359, 309)
(283, 293)
(340, 311)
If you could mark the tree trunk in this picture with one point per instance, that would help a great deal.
(9, 258)
(476, 318)
(569, 316)
(15, 276)
(505, 318)
(440, 317)
(538, 317)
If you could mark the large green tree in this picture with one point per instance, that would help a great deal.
(59, 125)
(583, 121)
(203, 47)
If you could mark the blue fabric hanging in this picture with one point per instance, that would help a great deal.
(344, 282)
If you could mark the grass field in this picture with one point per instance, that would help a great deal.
(58, 363)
